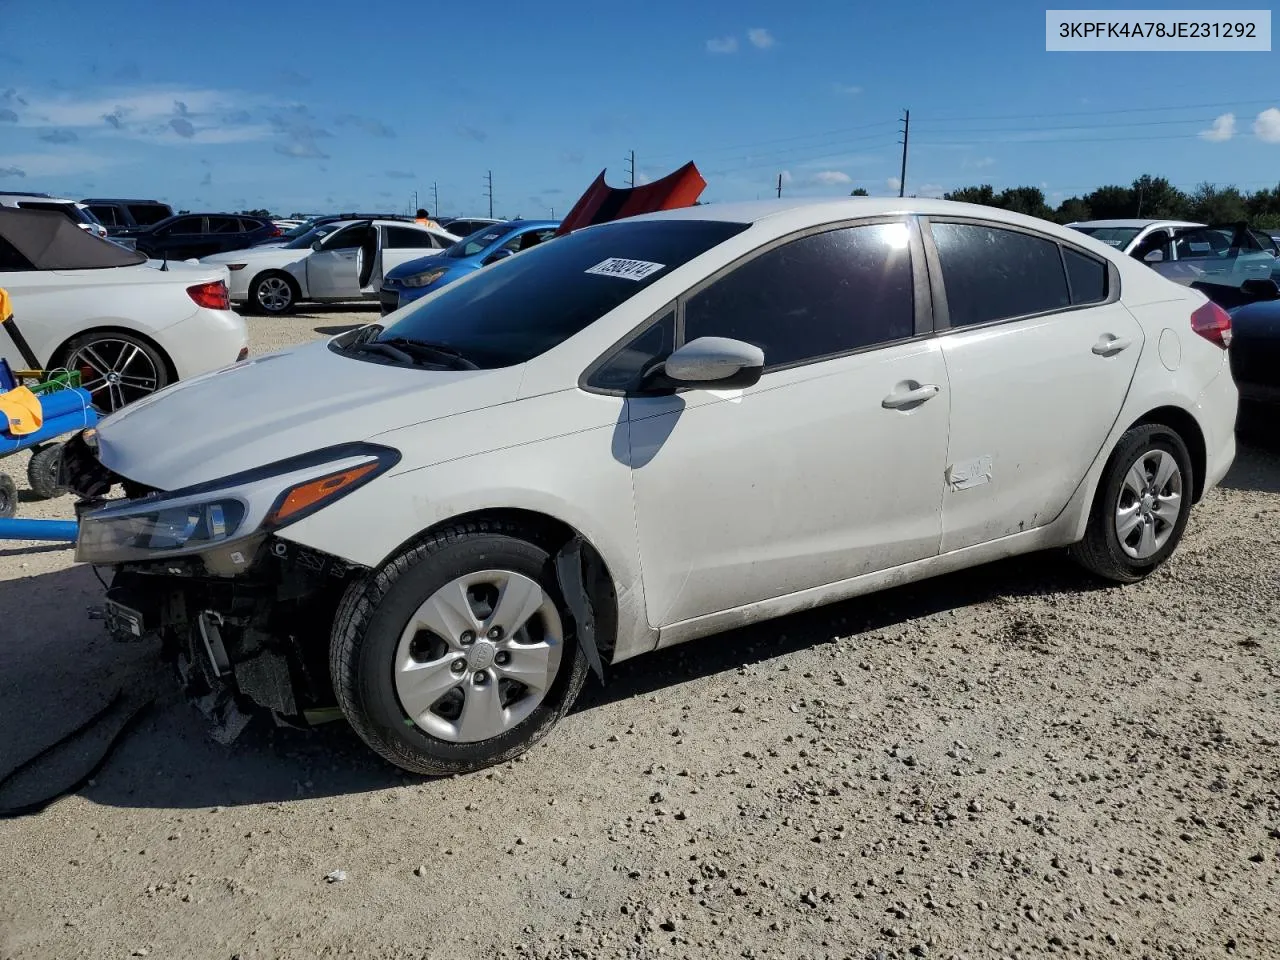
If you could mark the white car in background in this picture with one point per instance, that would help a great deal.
(1126, 235)
(77, 213)
(649, 431)
(126, 325)
(334, 263)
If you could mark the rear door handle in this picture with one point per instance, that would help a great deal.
(1109, 346)
(909, 396)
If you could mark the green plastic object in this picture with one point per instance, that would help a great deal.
(57, 380)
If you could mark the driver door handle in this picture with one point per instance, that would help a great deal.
(910, 397)
(1109, 346)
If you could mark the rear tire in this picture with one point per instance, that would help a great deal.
(8, 497)
(43, 471)
(1141, 508)
(428, 617)
(116, 368)
(274, 293)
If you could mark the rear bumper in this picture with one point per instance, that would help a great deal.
(1216, 409)
(207, 340)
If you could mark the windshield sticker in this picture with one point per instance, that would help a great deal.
(626, 269)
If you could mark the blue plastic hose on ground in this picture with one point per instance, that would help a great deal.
(63, 531)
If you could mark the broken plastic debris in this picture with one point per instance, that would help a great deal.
(335, 876)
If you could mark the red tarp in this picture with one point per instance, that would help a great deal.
(602, 203)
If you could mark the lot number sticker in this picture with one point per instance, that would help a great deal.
(626, 269)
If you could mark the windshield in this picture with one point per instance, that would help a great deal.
(516, 310)
(1117, 237)
(308, 237)
(474, 243)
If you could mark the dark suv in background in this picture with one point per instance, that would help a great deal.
(195, 235)
(121, 215)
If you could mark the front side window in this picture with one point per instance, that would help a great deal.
(106, 215)
(821, 295)
(527, 305)
(348, 238)
(995, 274)
(188, 227)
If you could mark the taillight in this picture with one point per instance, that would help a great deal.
(275, 231)
(1213, 323)
(211, 295)
(243, 354)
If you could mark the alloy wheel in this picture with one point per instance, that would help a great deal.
(115, 372)
(479, 656)
(274, 294)
(1149, 504)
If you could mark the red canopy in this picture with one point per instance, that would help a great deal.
(602, 203)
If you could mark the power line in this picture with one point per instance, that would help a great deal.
(1083, 126)
(1096, 113)
(988, 140)
(791, 139)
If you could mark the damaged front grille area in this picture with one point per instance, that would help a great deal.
(258, 638)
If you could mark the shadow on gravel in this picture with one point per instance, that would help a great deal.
(1257, 463)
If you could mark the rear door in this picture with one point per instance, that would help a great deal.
(1040, 354)
(224, 234)
(182, 239)
(402, 244)
(333, 271)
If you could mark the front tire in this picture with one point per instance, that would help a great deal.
(8, 497)
(459, 653)
(1141, 508)
(273, 293)
(43, 470)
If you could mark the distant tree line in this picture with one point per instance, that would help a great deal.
(1148, 197)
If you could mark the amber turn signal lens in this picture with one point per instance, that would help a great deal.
(314, 492)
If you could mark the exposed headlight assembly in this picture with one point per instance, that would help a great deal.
(220, 512)
(424, 279)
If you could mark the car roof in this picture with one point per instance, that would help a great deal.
(1134, 223)
(47, 197)
(158, 203)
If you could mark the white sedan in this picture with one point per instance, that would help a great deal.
(653, 430)
(340, 261)
(127, 326)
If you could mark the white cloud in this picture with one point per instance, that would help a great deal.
(1224, 128)
(984, 162)
(831, 178)
(893, 183)
(722, 45)
(760, 37)
(846, 89)
(1267, 126)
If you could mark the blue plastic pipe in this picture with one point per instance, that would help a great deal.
(60, 530)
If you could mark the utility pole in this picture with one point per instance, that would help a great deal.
(415, 200)
(435, 198)
(489, 192)
(632, 171)
(779, 186)
(906, 133)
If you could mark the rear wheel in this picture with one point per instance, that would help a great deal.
(458, 654)
(8, 497)
(117, 368)
(1141, 507)
(273, 293)
(42, 472)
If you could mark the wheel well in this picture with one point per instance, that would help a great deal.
(552, 534)
(1185, 424)
(59, 356)
(289, 278)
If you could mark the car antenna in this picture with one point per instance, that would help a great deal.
(165, 266)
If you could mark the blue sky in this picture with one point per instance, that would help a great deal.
(323, 105)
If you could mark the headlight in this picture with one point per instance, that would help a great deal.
(424, 279)
(221, 512)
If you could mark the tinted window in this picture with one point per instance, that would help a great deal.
(348, 237)
(106, 215)
(514, 311)
(224, 225)
(992, 274)
(402, 238)
(187, 226)
(820, 295)
(68, 210)
(1088, 277)
(145, 214)
(623, 370)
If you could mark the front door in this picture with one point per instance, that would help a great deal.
(831, 465)
(332, 271)
(1040, 355)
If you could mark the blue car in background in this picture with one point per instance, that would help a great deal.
(417, 278)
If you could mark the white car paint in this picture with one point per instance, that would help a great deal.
(53, 307)
(330, 274)
(802, 489)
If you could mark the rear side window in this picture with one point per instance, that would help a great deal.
(402, 238)
(106, 215)
(145, 214)
(993, 274)
(1087, 276)
(824, 294)
(188, 227)
(224, 225)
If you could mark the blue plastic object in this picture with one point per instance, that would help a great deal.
(60, 530)
(65, 411)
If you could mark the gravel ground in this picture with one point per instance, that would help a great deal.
(1010, 761)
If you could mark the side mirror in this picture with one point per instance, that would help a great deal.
(1155, 256)
(1261, 288)
(497, 255)
(710, 363)
(315, 244)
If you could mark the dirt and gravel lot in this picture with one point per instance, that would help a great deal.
(1007, 762)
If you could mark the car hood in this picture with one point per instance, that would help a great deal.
(280, 405)
(431, 262)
